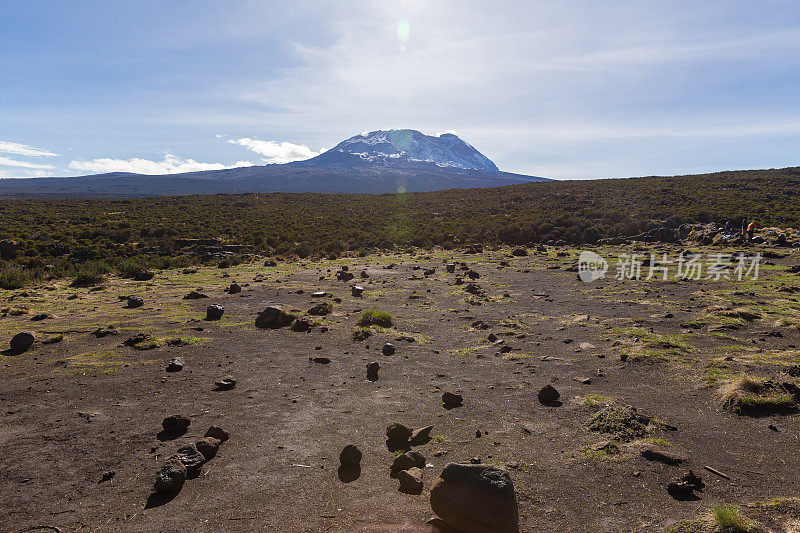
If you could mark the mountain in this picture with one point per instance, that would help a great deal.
(377, 162)
(405, 148)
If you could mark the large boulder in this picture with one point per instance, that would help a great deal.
(274, 317)
(476, 498)
(214, 312)
(21, 342)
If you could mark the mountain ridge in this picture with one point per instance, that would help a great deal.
(377, 162)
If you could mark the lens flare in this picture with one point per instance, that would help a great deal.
(403, 30)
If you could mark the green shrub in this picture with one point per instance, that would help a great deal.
(375, 318)
(90, 274)
(14, 277)
(730, 520)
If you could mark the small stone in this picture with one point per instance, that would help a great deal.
(218, 433)
(175, 365)
(350, 456)
(170, 479)
(134, 302)
(548, 395)
(410, 480)
(357, 291)
(407, 460)
(176, 424)
(372, 371)
(388, 349)
(321, 360)
(234, 288)
(21, 342)
(421, 435)
(214, 312)
(301, 325)
(321, 309)
(191, 458)
(208, 447)
(226, 383)
(451, 400)
(195, 295)
(274, 317)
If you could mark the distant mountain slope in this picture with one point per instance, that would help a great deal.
(374, 163)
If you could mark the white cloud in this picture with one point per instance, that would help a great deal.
(9, 147)
(28, 174)
(8, 162)
(171, 164)
(277, 152)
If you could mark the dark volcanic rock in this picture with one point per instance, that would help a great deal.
(476, 498)
(350, 456)
(548, 395)
(170, 478)
(194, 295)
(410, 480)
(21, 341)
(175, 365)
(218, 433)
(372, 371)
(234, 288)
(214, 312)
(398, 433)
(388, 349)
(421, 436)
(191, 458)
(134, 302)
(274, 317)
(176, 424)
(321, 309)
(407, 460)
(226, 383)
(208, 447)
(451, 400)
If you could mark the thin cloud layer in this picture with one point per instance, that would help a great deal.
(171, 164)
(276, 152)
(8, 162)
(9, 147)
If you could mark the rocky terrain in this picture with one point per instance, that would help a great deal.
(489, 388)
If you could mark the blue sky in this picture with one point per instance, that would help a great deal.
(552, 88)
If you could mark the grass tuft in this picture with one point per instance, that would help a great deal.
(370, 317)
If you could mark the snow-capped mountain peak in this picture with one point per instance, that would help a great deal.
(408, 147)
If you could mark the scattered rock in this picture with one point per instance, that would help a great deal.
(421, 436)
(350, 456)
(105, 331)
(321, 360)
(21, 342)
(218, 433)
(301, 324)
(170, 478)
(398, 433)
(191, 458)
(136, 339)
(388, 349)
(176, 425)
(274, 317)
(685, 487)
(226, 383)
(175, 365)
(321, 309)
(476, 498)
(519, 252)
(372, 371)
(407, 460)
(451, 400)
(357, 290)
(134, 302)
(208, 447)
(662, 456)
(410, 480)
(194, 295)
(214, 312)
(234, 288)
(548, 395)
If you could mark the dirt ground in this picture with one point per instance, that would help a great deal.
(78, 408)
